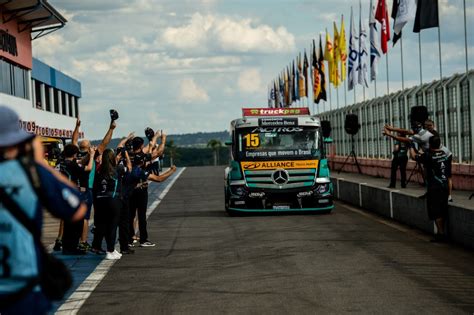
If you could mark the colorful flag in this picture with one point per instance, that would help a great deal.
(315, 74)
(426, 15)
(337, 57)
(403, 11)
(375, 53)
(291, 81)
(353, 55)
(343, 49)
(305, 73)
(381, 15)
(287, 87)
(363, 52)
(301, 79)
(322, 74)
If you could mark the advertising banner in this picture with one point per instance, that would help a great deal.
(271, 165)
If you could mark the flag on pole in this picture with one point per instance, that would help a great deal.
(337, 57)
(329, 56)
(305, 73)
(381, 15)
(363, 52)
(403, 11)
(375, 52)
(301, 79)
(343, 49)
(353, 56)
(287, 87)
(281, 90)
(277, 94)
(290, 86)
(322, 74)
(296, 90)
(269, 97)
(426, 15)
(315, 74)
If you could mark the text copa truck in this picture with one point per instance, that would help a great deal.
(278, 163)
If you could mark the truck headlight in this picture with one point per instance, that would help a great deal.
(322, 188)
(238, 190)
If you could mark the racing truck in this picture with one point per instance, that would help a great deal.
(278, 163)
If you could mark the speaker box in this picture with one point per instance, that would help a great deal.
(351, 124)
(326, 128)
(418, 114)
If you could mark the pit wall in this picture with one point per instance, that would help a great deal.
(405, 208)
(463, 174)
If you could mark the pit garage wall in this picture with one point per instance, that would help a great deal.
(450, 105)
(405, 208)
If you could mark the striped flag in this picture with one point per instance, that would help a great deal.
(374, 44)
(353, 56)
(363, 53)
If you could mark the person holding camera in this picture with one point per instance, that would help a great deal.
(438, 169)
(27, 185)
(399, 160)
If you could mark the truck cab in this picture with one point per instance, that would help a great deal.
(278, 163)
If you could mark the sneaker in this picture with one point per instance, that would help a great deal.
(116, 253)
(111, 256)
(127, 252)
(135, 241)
(450, 199)
(57, 245)
(147, 244)
(98, 251)
(84, 246)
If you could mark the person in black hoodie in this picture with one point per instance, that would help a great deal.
(109, 203)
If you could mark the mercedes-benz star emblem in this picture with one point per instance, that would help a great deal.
(280, 177)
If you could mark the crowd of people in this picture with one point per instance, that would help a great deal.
(114, 183)
(424, 146)
(110, 183)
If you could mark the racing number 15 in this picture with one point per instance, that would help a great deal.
(252, 140)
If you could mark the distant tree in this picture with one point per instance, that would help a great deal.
(215, 145)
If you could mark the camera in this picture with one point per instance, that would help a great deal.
(149, 133)
(114, 115)
(141, 158)
(120, 150)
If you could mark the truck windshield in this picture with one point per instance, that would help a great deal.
(278, 143)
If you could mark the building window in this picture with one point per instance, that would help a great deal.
(13, 79)
(63, 103)
(47, 98)
(76, 108)
(56, 100)
(39, 104)
(71, 104)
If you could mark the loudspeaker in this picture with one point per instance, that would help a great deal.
(351, 124)
(326, 128)
(418, 114)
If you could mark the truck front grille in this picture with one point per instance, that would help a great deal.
(263, 179)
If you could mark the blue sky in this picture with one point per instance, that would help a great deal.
(190, 65)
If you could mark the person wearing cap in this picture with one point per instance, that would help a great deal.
(73, 230)
(29, 184)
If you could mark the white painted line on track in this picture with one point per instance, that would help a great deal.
(74, 303)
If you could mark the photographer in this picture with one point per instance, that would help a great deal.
(399, 160)
(139, 197)
(27, 184)
(438, 169)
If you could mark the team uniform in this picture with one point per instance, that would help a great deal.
(20, 260)
(139, 201)
(438, 170)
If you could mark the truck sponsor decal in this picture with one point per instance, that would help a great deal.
(246, 112)
(270, 165)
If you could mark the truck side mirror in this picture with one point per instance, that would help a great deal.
(228, 143)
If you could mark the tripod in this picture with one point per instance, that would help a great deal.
(418, 170)
(353, 155)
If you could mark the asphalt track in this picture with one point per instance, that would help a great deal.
(344, 262)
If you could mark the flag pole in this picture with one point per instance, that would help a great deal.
(401, 54)
(465, 38)
(439, 47)
(386, 63)
(420, 60)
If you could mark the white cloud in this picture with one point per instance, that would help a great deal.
(250, 81)
(190, 92)
(228, 34)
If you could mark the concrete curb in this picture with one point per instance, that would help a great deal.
(401, 206)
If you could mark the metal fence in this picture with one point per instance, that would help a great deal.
(450, 104)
